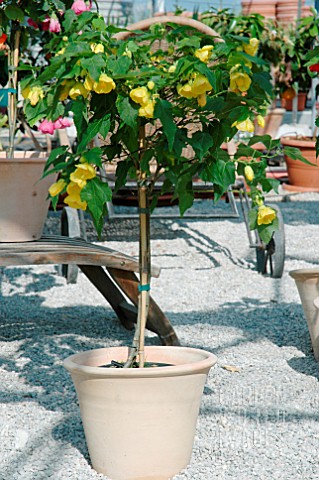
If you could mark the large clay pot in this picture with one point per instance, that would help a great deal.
(140, 423)
(301, 174)
(287, 10)
(307, 281)
(23, 196)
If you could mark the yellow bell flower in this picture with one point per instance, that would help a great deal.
(202, 100)
(78, 89)
(88, 83)
(35, 94)
(244, 126)
(140, 95)
(57, 187)
(73, 198)
(147, 110)
(200, 85)
(60, 52)
(83, 172)
(249, 173)
(74, 201)
(251, 47)
(265, 215)
(105, 84)
(185, 91)
(239, 82)
(204, 53)
(261, 121)
(97, 47)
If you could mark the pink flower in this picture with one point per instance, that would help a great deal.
(32, 23)
(54, 25)
(62, 123)
(46, 126)
(79, 6)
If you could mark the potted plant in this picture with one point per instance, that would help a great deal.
(25, 26)
(151, 96)
(292, 75)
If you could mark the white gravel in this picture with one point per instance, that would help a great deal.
(260, 422)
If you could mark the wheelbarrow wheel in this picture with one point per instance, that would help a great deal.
(271, 257)
(70, 227)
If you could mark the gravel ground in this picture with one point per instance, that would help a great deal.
(257, 422)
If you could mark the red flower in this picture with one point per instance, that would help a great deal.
(314, 67)
(3, 38)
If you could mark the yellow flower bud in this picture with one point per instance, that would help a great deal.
(261, 121)
(65, 39)
(249, 173)
(57, 187)
(172, 69)
(266, 215)
(25, 92)
(251, 47)
(150, 85)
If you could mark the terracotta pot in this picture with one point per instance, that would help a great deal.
(307, 281)
(268, 10)
(287, 10)
(23, 196)
(139, 423)
(299, 173)
(301, 102)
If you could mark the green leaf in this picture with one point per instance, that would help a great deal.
(14, 13)
(119, 66)
(94, 156)
(99, 24)
(78, 108)
(127, 112)
(252, 216)
(193, 42)
(96, 193)
(163, 111)
(223, 173)
(184, 191)
(121, 174)
(262, 79)
(70, 18)
(201, 143)
(54, 155)
(101, 126)
(94, 65)
(295, 154)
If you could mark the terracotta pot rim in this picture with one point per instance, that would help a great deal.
(74, 363)
(29, 156)
(290, 140)
(304, 273)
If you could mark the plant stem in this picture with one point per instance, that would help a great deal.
(13, 61)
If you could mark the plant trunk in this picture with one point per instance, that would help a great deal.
(137, 348)
(13, 61)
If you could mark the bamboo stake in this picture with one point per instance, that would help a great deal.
(138, 346)
(13, 84)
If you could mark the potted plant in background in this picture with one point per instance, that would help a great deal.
(25, 26)
(292, 75)
(151, 96)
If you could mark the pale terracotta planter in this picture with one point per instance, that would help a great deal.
(301, 174)
(307, 281)
(140, 424)
(23, 196)
(301, 102)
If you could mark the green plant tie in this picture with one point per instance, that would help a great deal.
(144, 288)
